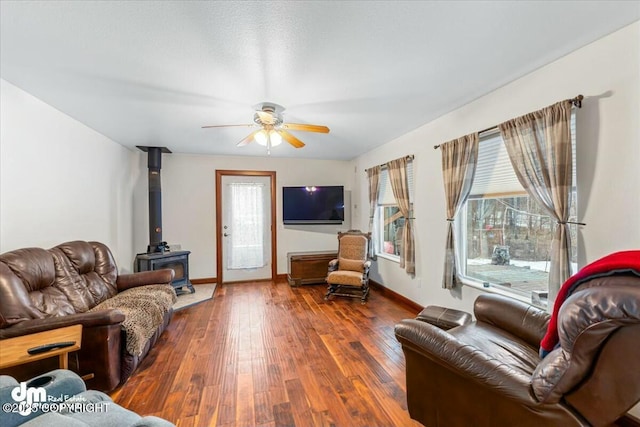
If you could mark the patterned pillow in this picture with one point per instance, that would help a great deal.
(351, 265)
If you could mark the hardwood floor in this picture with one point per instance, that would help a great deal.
(265, 354)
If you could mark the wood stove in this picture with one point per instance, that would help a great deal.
(178, 261)
(158, 253)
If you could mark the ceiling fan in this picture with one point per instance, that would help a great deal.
(273, 129)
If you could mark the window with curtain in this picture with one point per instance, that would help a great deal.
(504, 236)
(388, 221)
(246, 243)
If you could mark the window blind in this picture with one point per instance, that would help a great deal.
(385, 193)
(495, 175)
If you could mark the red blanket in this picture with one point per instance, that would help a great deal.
(625, 262)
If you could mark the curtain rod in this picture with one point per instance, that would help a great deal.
(577, 102)
(408, 157)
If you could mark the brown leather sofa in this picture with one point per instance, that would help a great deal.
(43, 289)
(489, 373)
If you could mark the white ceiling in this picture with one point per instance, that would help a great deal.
(154, 72)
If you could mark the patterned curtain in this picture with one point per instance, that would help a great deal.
(373, 174)
(246, 244)
(400, 186)
(539, 147)
(459, 160)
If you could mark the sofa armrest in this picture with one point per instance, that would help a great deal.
(464, 360)
(155, 277)
(87, 320)
(521, 319)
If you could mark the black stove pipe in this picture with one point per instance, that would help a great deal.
(155, 197)
(154, 164)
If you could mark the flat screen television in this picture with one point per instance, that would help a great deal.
(313, 205)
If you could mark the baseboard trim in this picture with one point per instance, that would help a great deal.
(204, 281)
(396, 296)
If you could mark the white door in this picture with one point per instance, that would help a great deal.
(246, 228)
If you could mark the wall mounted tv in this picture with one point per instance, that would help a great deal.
(313, 205)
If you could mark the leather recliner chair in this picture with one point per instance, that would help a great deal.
(41, 290)
(489, 372)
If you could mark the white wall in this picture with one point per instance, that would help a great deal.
(188, 204)
(60, 180)
(607, 73)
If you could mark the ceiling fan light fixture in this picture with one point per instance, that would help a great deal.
(261, 137)
(275, 138)
(271, 128)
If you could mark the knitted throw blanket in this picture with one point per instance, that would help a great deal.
(625, 262)
(144, 308)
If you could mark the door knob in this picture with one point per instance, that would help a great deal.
(225, 234)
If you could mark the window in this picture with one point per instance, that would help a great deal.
(505, 236)
(388, 222)
(247, 241)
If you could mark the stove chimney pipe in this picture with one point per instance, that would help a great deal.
(154, 164)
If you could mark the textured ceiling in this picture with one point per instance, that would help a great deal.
(154, 72)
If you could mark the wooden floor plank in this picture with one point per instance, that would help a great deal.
(209, 404)
(266, 354)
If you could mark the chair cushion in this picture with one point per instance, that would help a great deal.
(351, 265)
(353, 247)
(106, 414)
(345, 277)
(498, 344)
(588, 318)
(68, 279)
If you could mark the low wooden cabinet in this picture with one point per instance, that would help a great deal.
(307, 268)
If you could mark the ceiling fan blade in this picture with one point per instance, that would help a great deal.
(266, 117)
(248, 139)
(306, 128)
(291, 139)
(226, 126)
